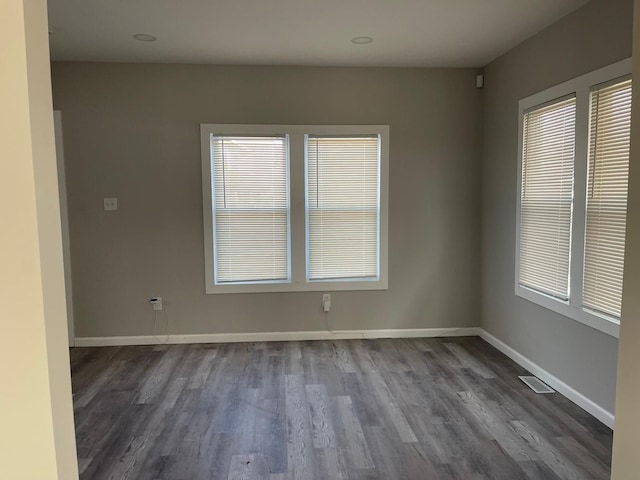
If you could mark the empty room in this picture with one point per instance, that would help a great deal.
(341, 239)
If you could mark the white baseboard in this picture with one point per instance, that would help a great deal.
(576, 397)
(275, 336)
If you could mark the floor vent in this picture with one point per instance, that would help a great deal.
(537, 385)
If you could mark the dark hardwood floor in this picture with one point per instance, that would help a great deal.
(360, 409)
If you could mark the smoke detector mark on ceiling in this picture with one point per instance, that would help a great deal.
(145, 37)
(361, 40)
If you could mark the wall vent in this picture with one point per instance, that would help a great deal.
(536, 384)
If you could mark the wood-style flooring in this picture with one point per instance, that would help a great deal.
(450, 408)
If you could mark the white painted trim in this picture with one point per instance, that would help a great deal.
(276, 336)
(576, 397)
(579, 87)
(297, 222)
(586, 81)
(602, 323)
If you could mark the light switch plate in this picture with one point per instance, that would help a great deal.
(110, 204)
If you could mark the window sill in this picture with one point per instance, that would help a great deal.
(609, 326)
(281, 287)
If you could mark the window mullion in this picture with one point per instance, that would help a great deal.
(579, 197)
(297, 208)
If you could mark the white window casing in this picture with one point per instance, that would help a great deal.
(262, 232)
(587, 289)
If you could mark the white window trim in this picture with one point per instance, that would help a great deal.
(581, 87)
(297, 210)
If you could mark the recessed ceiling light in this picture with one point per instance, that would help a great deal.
(145, 37)
(361, 40)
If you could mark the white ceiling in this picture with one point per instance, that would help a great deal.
(436, 33)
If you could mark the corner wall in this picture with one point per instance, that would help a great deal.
(36, 415)
(596, 35)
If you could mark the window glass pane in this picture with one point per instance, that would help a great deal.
(250, 208)
(609, 138)
(343, 207)
(546, 197)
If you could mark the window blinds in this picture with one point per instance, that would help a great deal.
(609, 138)
(343, 177)
(250, 208)
(546, 197)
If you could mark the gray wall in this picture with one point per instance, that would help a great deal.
(131, 131)
(594, 36)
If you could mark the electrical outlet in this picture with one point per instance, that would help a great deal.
(326, 302)
(156, 302)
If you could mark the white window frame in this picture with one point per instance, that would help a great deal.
(581, 87)
(297, 208)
